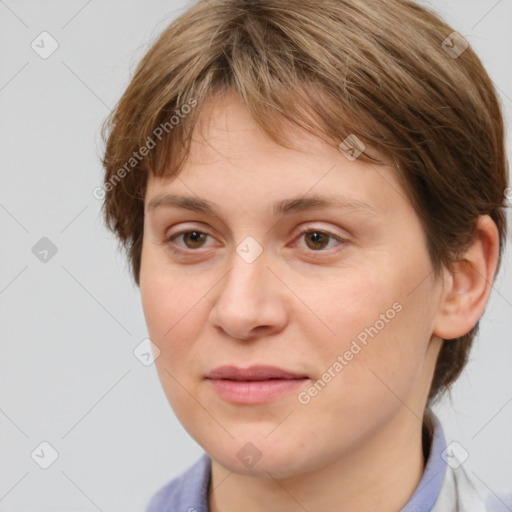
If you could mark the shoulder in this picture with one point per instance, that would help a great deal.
(187, 492)
(452, 483)
(499, 502)
(472, 493)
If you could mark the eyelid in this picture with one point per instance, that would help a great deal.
(308, 228)
(184, 228)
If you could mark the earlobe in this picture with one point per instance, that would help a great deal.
(468, 287)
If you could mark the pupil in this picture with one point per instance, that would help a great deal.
(316, 239)
(195, 238)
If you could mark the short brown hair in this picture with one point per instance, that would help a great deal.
(380, 70)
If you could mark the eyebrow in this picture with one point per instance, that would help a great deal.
(283, 207)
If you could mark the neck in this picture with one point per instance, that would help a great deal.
(380, 474)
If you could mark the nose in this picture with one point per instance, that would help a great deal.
(251, 300)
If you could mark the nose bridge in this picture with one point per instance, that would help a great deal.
(247, 278)
(247, 262)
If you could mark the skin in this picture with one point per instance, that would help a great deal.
(299, 306)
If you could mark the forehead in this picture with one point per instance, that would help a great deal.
(232, 157)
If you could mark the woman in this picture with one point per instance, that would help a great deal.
(311, 195)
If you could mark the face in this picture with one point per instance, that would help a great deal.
(298, 259)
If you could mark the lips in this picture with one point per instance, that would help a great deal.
(254, 373)
(255, 385)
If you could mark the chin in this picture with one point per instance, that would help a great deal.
(261, 457)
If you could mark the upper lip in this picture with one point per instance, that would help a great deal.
(259, 372)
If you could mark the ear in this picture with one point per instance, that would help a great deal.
(468, 286)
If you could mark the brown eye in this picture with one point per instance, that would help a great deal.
(316, 240)
(191, 240)
(194, 239)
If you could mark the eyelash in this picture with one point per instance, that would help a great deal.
(176, 249)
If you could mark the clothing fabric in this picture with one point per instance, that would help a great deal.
(446, 486)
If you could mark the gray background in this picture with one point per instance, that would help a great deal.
(69, 326)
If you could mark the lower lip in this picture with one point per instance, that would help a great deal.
(253, 392)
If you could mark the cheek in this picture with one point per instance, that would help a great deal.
(377, 324)
(176, 307)
(171, 303)
(351, 303)
(170, 296)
